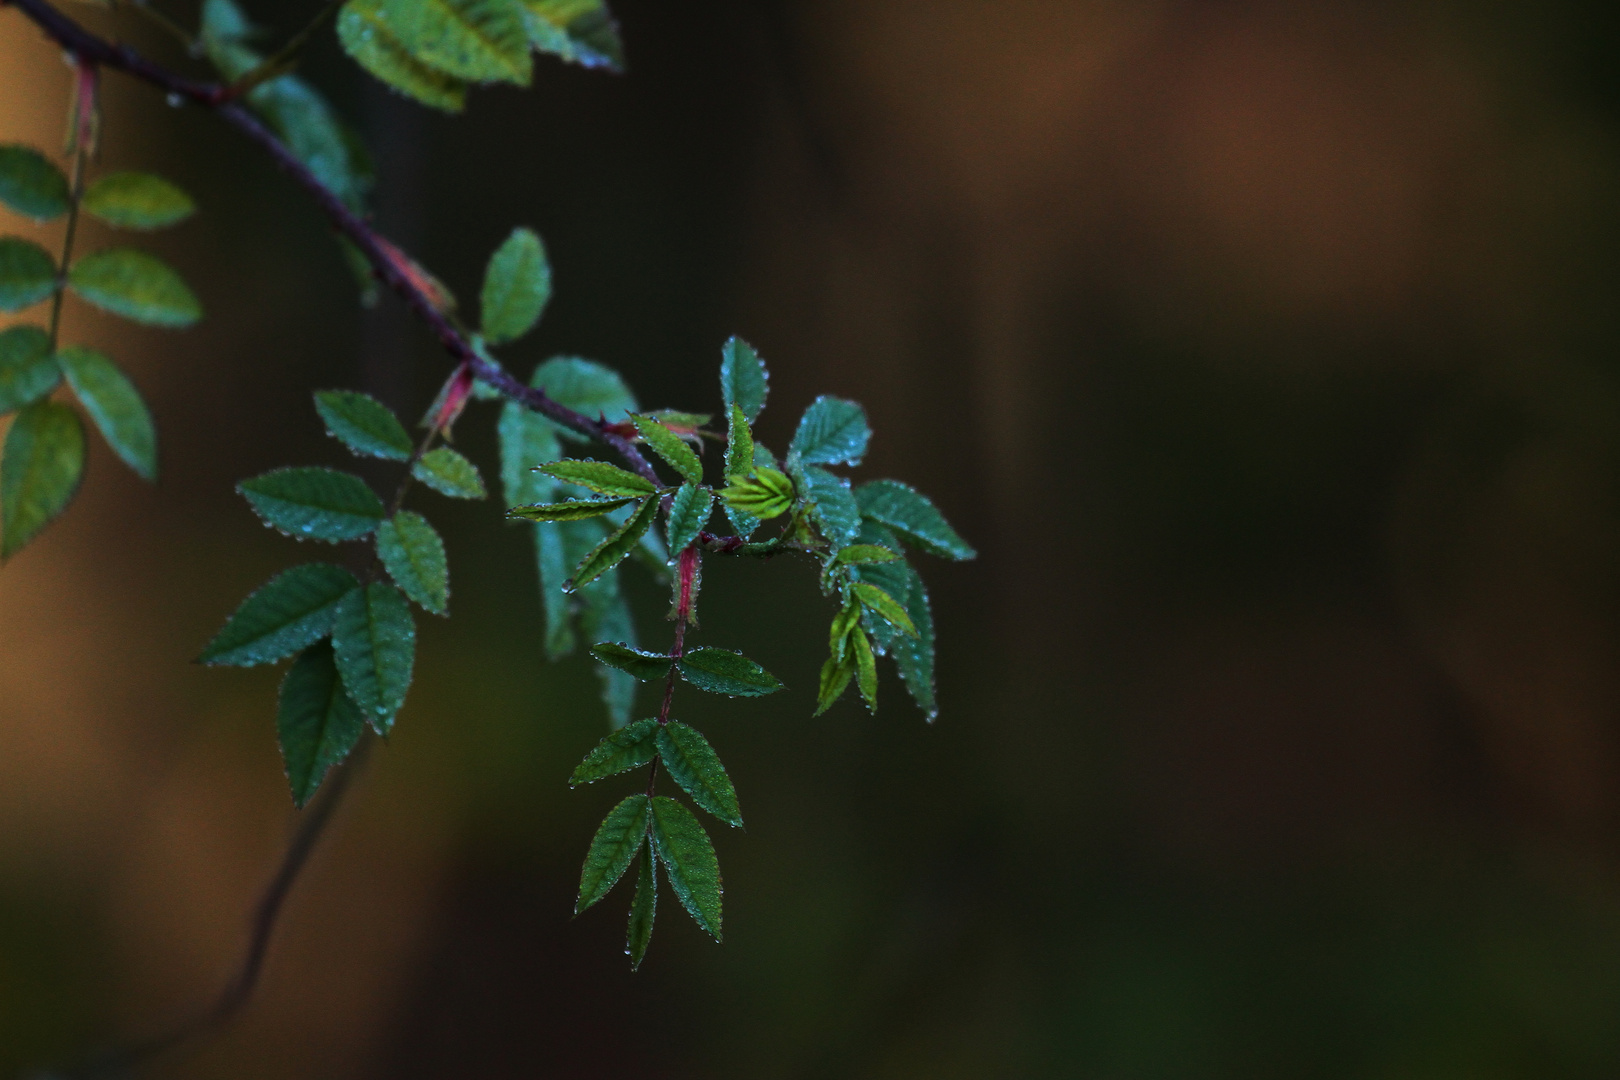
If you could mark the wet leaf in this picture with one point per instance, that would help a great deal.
(721, 671)
(287, 613)
(739, 445)
(832, 431)
(644, 666)
(600, 477)
(910, 513)
(475, 40)
(316, 723)
(314, 503)
(689, 512)
(884, 606)
(671, 447)
(610, 552)
(692, 763)
(363, 424)
(114, 405)
(644, 908)
(628, 748)
(367, 39)
(576, 510)
(613, 848)
(744, 382)
(449, 473)
(689, 861)
(374, 638)
(517, 285)
(767, 494)
(832, 505)
(413, 555)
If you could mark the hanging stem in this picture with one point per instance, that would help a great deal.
(81, 136)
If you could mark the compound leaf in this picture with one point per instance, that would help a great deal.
(671, 447)
(765, 495)
(628, 748)
(576, 510)
(689, 861)
(363, 424)
(744, 382)
(475, 40)
(31, 184)
(137, 285)
(449, 473)
(688, 512)
(613, 848)
(644, 908)
(413, 555)
(833, 431)
(316, 723)
(610, 552)
(366, 38)
(644, 666)
(517, 284)
(374, 638)
(27, 370)
(721, 671)
(27, 273)
(135, 200)
(910, 513)
(600, 477)
(39, 472)
(580, 31)
(314, 503)
(287, 613)
(692, 763)
(115, 405)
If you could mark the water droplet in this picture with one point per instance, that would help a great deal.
(174, 100)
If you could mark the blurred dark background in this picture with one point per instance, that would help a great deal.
(1266, 351)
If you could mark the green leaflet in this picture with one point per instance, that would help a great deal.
(316, 723)
(27, 370)
(31, 184)
(866, 555)
(884, 606)
(689, 511)
(374, 639)
(134, 200)
(449, 473)
(527, 439)
(606, 616)
(137, 285)
(613, 848)
(600, 477)
(314, 503)
(692, 763)
(581, 31)
(39, 472)
(739, 445)
(832, 505)
(644, 666)
(671, 447)
(363, 424)
(27, 273)
(835, 676)
(587, 387)
(681, 423)
(847, 619)
(366, 38)
(115, 405)
(914, 657)
(413, 555)
(910, 513)
(644, 908)
(721, 671)
(476, 40)
(517, 284)
(832, 431)
(744, 382)
(610, 552)
(765, 495)
(287, 613)
(578, 510)
(865, 667)
(689, 861)
(628, 748)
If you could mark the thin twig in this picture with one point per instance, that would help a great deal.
(283, 59)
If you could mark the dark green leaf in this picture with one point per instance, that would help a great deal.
(645, 666)
(688, 512)
(367, 39)
(27, 273)
(692, 763)
(31, 184)
(833, 505)
(832, 431)
(517, 284)
(671, 447)
(721, 671)
(363, 424)
(866, 554)
(293, 609)
(865, 667)
(314, 503)
(739, 445)
(744, 522)
(644, 908)
(133, 200)
(449, 473)
(585, 386)
(413, 555)
(913, 656)
(689, 861)
(115, 405)
(600, 477)
(136, 285)
(910, 513)
(316, 722)
(374, 638)
(613, 849)
(40, 471)
(835, 676)
(744, 382)
(765, 495)
(578, 510)
(527, 439)
(580, 31)
(27, 370)
(476, 40)
(606, 616)
(628, 748)
(884, 606)
(610, 552)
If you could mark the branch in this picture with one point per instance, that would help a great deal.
(89, 48)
